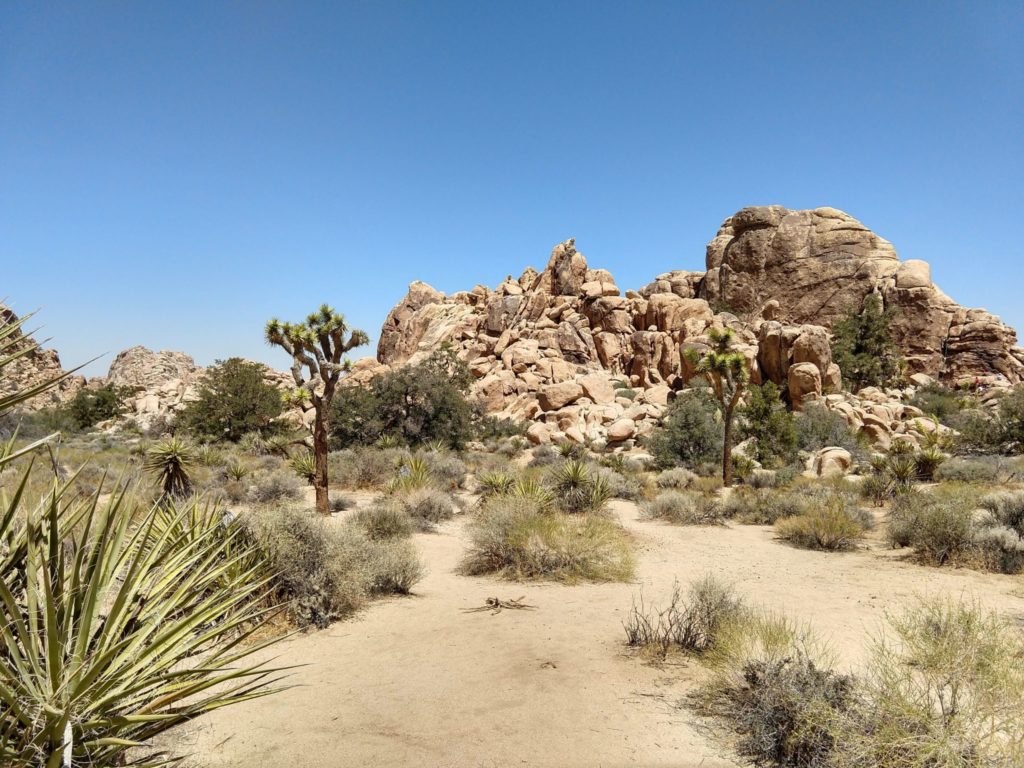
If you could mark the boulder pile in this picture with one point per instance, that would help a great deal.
(567, 350)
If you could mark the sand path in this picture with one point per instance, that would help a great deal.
(420, 682)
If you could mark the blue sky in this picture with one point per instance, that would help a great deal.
(173, 174)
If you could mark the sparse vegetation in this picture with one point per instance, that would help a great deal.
(684, 508)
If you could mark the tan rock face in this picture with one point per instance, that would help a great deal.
(815, 266)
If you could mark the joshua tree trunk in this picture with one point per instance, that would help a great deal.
(727, 450)
(320, 459)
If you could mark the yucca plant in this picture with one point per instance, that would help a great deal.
(388, 441)
(236, 470)
(533, 490)
(927, 461)
(209, 455)
(170, 460)
(578, 489)
(413, 473)
(304, 465)
(279, 445)
(495, 483)
(117, 624)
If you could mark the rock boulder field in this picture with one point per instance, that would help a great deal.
(35, 366)
(566, 348)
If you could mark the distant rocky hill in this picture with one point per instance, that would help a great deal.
(566, 349)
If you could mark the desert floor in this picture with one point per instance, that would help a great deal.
(420, 681)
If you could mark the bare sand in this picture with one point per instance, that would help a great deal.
(419, 681)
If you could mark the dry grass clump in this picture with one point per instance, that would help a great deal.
(943, 689)
(326, 571)
(833, 523)
(684, 508)
(267, 487)
(515, 537)
(690, 624)
(363, 467)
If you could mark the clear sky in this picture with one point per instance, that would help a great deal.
(174, 173)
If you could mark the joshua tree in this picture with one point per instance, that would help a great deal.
(319, 346)
(726, 372)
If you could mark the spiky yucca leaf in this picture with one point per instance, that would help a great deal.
(116, 625)
(304, 465)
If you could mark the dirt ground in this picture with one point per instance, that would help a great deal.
(420, 681)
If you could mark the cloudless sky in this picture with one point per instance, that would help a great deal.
(175, 173)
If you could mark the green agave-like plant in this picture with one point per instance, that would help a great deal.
(304, 465)
(117, 625)
(170, 460)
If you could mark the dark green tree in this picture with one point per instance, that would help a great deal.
(318, 348)
(415, 404)
(691, 432)
(766, 419)
(863, 348)
(726, 371)
(91, 406)
(234, 398)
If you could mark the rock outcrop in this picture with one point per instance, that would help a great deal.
(821, 264)
(566, 349)
(38, 366)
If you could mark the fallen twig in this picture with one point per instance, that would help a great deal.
(496, 604)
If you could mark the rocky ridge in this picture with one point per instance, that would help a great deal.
(566, 349)
(38, 366)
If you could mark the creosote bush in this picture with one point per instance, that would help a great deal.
(691, 432)
(513, 536)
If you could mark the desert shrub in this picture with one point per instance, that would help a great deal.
(273, 486)
(413, 472)
(339, 503)
(772, 427)
(543, 456)
(326, 571)
(427, 506)
(945, 689)
(683, 508)
(862, 346)
(621, 486)
(493, 428)
(676, 478)
(939, 525)
(448, 470)
(415, 404)
(1006, 507)
(513, 537)
(832, 526)
(928, 462)
(362, 467)
(253, 443)
(387, 519)
(579, 488)
(980, 469)
(818, 427)
(1011, 417)
(763, 478)
(234, 399)
(690, 434)
(939, 401)
(689, 624)
(766, 507)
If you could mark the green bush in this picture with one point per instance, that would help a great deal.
(772, 427)
(939, 401)
(676, 478)
(690, 434)
(363, 467)
(91, 406)
(683, 508)
(863, 348)
(939, 525)
(414, 404)
(514, 537)
(233, 399)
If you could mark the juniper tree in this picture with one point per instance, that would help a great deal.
(863, 348)
(318, 348)
(726, 372)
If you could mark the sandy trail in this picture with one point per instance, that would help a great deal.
(420, 682)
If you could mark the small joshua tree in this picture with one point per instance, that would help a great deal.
(318, 348)
(726, 372)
